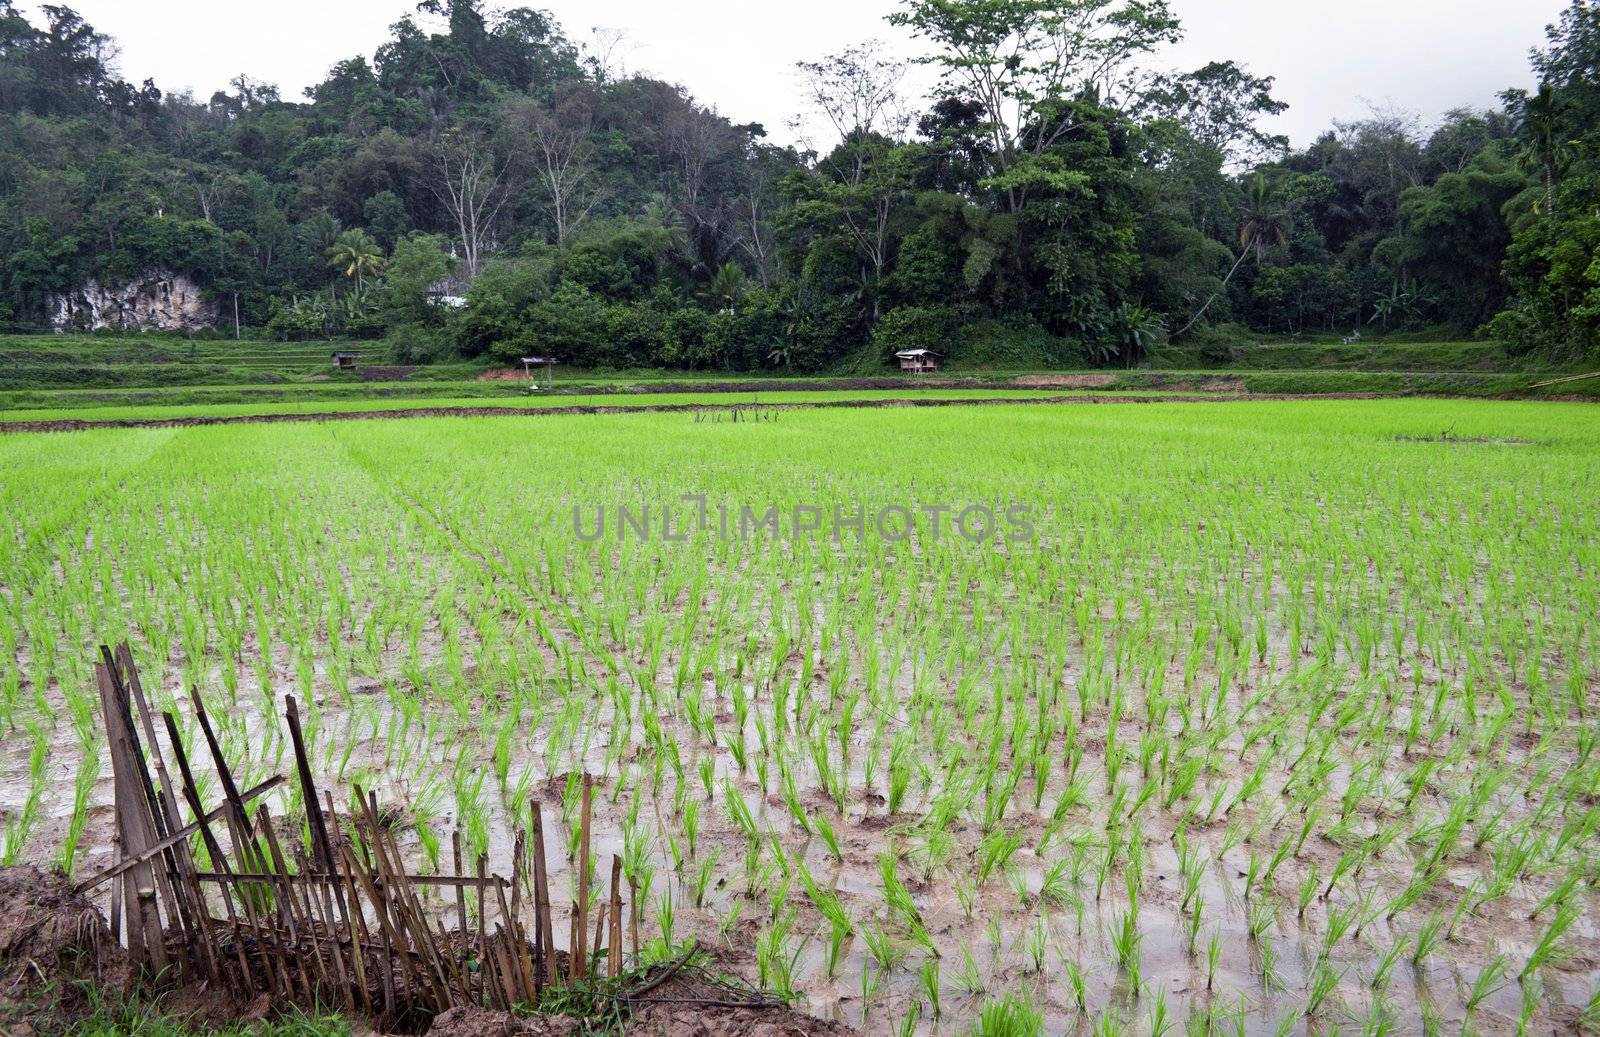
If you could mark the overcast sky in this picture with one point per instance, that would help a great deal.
(1332, 60)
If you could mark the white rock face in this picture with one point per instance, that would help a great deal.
(159, 301)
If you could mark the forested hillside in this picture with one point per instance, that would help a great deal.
(483, 184)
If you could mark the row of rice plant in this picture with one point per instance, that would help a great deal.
(1282, 718)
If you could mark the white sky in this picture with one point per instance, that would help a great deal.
(1332, 60)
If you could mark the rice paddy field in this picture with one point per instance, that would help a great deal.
(1247, 717)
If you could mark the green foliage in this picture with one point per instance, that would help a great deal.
(612, 220)
(915, 327)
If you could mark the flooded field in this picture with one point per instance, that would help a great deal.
(1237, 718)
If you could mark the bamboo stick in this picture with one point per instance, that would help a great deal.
(580, 907)
(614, 958)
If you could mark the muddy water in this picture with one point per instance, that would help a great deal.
(991, 939)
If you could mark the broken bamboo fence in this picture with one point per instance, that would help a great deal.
(327, 916)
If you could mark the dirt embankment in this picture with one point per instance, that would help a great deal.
(52, 943)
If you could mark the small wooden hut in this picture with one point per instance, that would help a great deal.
(918, 361)
(531, 365)
(344, 361)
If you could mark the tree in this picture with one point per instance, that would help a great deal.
(1221, 105)
(357, 253)
(857, 89)
(725, 288)
(1454, 239)
(1024, 61)
(559, 150)
(1264, 221)
(473, 185)
(1542, 118)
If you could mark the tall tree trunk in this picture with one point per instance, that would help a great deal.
(1245, 251)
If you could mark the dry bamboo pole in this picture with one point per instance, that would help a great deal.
(339, 887)
(314, 887)
(213, 850)
(169, 881)
(633, 917)
(580, 906)
(614, 958)
(397, 959)
(523, 968)
(116, 892)
(191, 903)
(1569, 378)
(250, 855)
(483, 907)
(288, 907)
(433, 968)
(352, 873)
(321, 846)
(145, 942)
(543, 940)
(240, 832)
(461, 895)
(386, 899)
(518, 848)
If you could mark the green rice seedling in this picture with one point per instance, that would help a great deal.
(1307, 893)
(1009, 1016)
(1532, 994)
(739, 813)
(1213, 957)
(901, 903)
(1160, 1021)
(1341, 921)
(1427, 938)
(840, 927)
(1324, 980)
(83, 785)
(19, 826)
(1590, 1016)
(666, 919)
(776, 958)
(1490, 979)
(886, 951)
(1021, 887)
(1109, 1023)
(932, 986)
(1384, 969)
(1038, 943)
(1191, 923)
(1548, 947)
(728, 921)
(704, 873)
(823, 827)
(995, 852)
(907, 1027)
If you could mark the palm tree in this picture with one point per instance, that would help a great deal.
(356, 253)
(1265, 221)
(1135, 328)
(1544, 150)
(726, 287)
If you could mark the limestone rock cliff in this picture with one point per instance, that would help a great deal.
(158, 301)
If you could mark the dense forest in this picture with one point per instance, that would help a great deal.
(485, 185)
